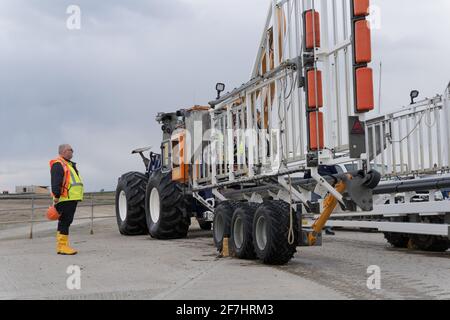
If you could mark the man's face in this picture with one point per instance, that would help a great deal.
(68, 153)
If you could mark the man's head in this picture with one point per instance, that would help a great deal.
(66, 151)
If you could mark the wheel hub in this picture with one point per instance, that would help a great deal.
(123, 205)
(238, 232)
(261, 233)
(154, 205)
(219, 228)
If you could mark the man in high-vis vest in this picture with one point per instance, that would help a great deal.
(67, 191)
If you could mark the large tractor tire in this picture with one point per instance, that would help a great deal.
(241, 239)
(222, 222)
(397, 240)
(166, 208)
(271, 231)
(130, 204)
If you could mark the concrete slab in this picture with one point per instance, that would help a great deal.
(116, 267)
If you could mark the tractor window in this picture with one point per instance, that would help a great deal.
(351, 167)
(175, 154)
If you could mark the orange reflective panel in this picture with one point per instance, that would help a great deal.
(363, 45)
(315, 77)
(312, 22)
(361, 7)
(316, 132)
(364, 90)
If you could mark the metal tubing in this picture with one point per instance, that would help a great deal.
(92, 215)
(413, 185)
(439, 138)
(400, 145)
(288, 64)
(32, 218)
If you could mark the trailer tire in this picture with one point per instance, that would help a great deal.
(430, 243)
(241, 239)
(130, 204)
(270, 231)
(374, 181)
(166, 208)
(222, 222)
(397, 240)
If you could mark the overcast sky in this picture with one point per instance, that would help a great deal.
(100, 87)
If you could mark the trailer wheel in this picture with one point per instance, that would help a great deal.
(241, 239)
(130, 204)
(270, 232)
(166, 208)
(430, 243)
(397, 240)
(375, 178)
(222, 222)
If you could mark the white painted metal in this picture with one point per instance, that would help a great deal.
(296, 195)
(267, 119)
(212, 156)
(401, 209)
(403, 151)
(218, 195)
(207, 204)
(154, 205)
(396, 227)
(275, 107)
(321, 181)
(262, 46)
(447, 122)
(123, 206)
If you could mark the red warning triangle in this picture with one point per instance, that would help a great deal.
(358, 128)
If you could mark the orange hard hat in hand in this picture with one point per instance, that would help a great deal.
(53, 214)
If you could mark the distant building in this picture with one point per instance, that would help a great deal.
(32, 190)
(5, 192)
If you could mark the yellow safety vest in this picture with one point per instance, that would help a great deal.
(72, 188)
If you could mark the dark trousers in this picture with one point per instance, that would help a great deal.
(67, 210)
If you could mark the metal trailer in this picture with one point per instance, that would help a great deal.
(410, 147)
(259, 161)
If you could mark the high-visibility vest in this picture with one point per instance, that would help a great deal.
(72, 186)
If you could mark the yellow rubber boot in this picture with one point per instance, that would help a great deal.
(63, 247)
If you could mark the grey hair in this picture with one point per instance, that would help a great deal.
(62, 148)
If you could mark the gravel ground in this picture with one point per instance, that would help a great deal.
(342, 263)
(116, 267)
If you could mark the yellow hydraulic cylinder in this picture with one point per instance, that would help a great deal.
(330, 204)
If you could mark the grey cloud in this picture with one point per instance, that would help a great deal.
(99, 88)
(104, 9)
